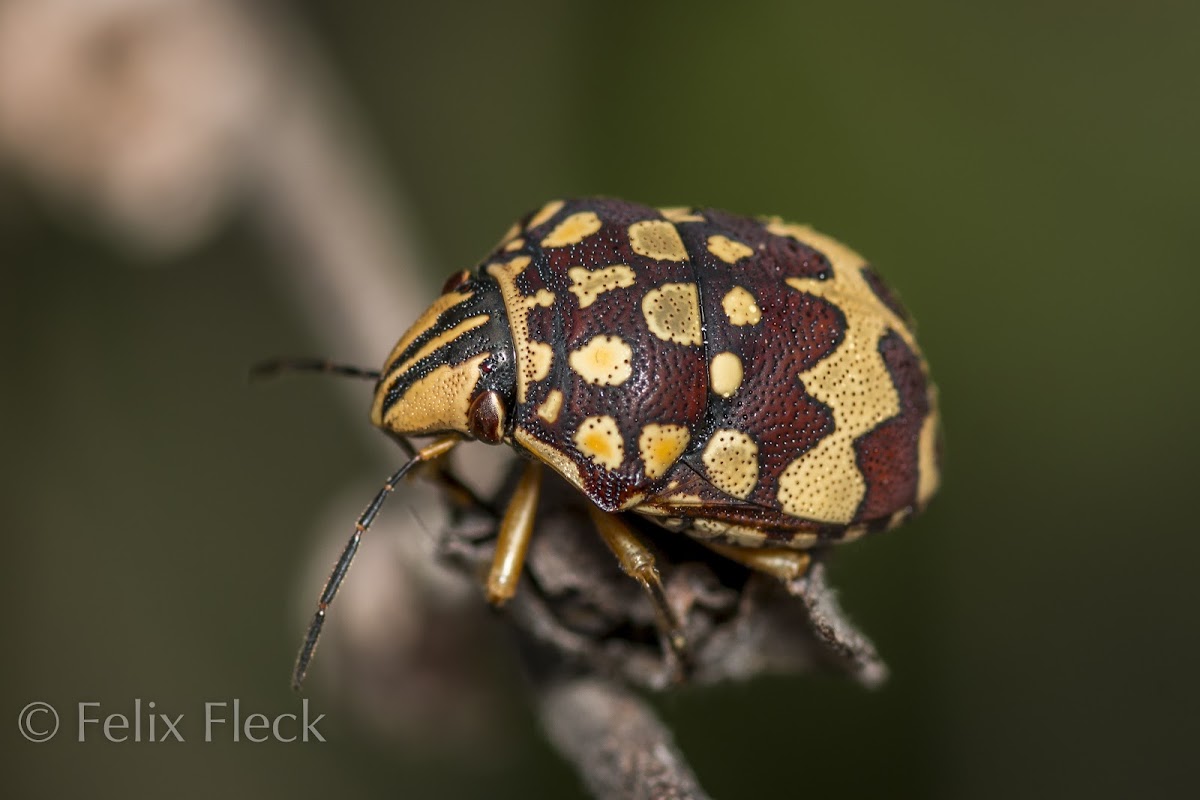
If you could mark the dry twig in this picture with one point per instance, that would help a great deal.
(585, 632)
(620, 748)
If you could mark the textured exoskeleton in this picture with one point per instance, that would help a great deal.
(750, 382)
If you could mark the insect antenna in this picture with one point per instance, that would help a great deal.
(342, 566)
(278, 366)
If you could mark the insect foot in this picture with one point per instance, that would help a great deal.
(577, 612)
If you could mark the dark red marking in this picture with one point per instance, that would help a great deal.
(887, 455)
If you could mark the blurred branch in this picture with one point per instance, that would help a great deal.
(159, 120)
(137, 115)
(353, 256)
(616, 742)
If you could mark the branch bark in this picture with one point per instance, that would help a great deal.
(621, 749)
(586, 633)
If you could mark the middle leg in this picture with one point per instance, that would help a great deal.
(638, 562)
(784, 563)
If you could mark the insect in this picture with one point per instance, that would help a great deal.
(751, 383)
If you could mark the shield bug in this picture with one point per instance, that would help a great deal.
(749, 382)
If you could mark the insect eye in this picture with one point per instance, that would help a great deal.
(486, 368)
(485, 417)
(456, 280)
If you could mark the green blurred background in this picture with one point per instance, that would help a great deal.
(1024, 173)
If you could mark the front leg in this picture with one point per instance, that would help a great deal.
(515, 531)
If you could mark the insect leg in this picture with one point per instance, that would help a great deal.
(427, 453)
(444, 476)
(781, 562)
(638, 562)
(513, 541)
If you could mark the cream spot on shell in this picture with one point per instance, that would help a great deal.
(541, 356)
(533, 358)
(545, 213)
(427, 320)
(706, 529)
(573, 230)
(727, 249)
(928, 474)
(437, 342)
(672, 312)
(653, 511)
(746, 536)
(680, 214)
(604, 360)
(587, 284)
(725, 374)
(632, 501)
(804, 539)
(741, 535)
(438, 401)
(599, 438)
(660, 446)
(741, 307)
(825, 482)
(854, 532)
(515, 267)
(731, 461)
(424, 324)
(657, 239)
(551, 406)
(562, 463)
